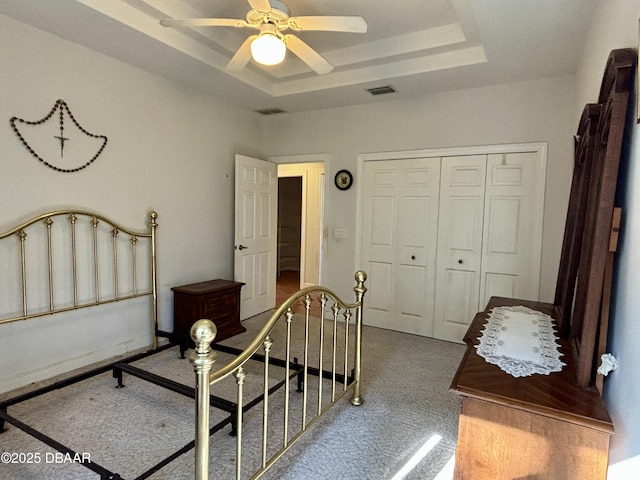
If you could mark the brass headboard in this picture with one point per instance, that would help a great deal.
(70, 259)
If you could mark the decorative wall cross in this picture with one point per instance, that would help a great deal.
(61, 137)
(62, 140)
(62, 107)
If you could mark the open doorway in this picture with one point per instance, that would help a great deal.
(289, 237)
(300, 214)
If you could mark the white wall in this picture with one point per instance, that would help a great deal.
(534, 111)
(615, 25)
(169, 149)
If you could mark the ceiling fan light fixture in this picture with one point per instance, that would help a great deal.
(270, 45)
(268, 48)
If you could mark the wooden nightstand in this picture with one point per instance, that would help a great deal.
(217, 300)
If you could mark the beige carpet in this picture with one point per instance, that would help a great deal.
(407, 410)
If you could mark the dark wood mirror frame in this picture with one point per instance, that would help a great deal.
(582, 271)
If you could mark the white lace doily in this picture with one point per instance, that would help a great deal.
(520, 341)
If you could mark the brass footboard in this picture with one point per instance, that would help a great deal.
(342, 355)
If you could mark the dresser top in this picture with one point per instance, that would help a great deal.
(209, 286)
(555, 395)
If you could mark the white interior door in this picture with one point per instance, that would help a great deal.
(460, 230)
(256, 197)
(513, 227)
(400, 214)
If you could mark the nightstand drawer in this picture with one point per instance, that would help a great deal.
(213, 304)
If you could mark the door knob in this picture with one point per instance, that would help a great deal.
(413, 257)
(241, 247)
(460, 261)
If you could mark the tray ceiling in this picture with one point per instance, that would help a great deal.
(419, 47)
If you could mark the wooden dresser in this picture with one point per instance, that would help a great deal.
(557, 426)
(536, 427)
(217, 300)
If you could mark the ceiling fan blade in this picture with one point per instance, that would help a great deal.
(242, 55)
(307, 54)
(329, 24)
(203, 22)
(260, 5)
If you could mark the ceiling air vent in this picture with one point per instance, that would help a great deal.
(381, 90)
(270, 111)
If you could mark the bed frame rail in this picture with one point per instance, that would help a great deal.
(338, 345)
(76, 279)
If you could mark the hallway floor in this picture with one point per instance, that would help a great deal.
(288, 283)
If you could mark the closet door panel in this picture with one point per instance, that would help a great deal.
(465, 223)
(418, 220)
(381, 288)
(459, 247)
(382, 226)
(460, 302)
(400, 210)
(503, 223)
(417, 195)
(499, 285)
(410, 292)
(510, 260)
(380, 217)
(414, 230)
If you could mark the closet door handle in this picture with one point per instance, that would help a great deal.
(460, 261)
(241, 247)
(413, 257)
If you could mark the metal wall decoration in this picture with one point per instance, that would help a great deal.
(61, 107)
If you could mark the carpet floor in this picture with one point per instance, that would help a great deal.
(406, 428)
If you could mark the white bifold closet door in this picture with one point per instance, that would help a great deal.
(399, 235)
(489, 233)
(460, 229)
(442, 235)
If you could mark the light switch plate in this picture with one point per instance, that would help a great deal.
(341, 233)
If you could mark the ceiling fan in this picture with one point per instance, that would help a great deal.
(271, 18)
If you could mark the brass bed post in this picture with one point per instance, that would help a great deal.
(96, 275)
(114, 245)
(305, 362)
(347, 318)
(74, 258)
(23, 238)
(240, 375)
(360, 289)
(322, 298)
(134, 263)
(153, 225)
(287, 380)
(48, 222)
(268, 342)
(202, 358)
(335, 309)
